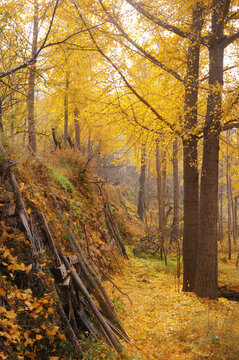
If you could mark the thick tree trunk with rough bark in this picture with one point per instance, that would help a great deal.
(31, 85)
(190, 171)
(206, 284)
(142, 180)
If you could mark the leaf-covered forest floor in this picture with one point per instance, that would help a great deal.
(162, 322)
(166, 323)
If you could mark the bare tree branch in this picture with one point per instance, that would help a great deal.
(157, 21)
(34, 57)
(230, 39)
(146, 54)
(232, 124)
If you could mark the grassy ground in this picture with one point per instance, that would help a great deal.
(167, 324)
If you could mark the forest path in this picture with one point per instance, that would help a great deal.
(166, 323)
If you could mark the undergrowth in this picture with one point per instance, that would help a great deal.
(60, 179)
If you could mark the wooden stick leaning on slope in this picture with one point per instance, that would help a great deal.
(106, 276)
(95, 277)
(70, 331)
(110, 222)
(22, 212)
(105, 327)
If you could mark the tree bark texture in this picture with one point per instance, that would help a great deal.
(190, 161)
(206, 284)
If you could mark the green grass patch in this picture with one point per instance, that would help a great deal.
(60, 179)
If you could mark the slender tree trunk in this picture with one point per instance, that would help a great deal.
(235, 216)
(89, 144)
(206, 284)
(229, 206)
(31, 85)
(12, 129)
(66, 108)
(24, 134)
(190, 162)
(142, 180)
(234, 231)
(220, 226)
(164, 190)
(1, 116)
(77, 129)
(175, 227)
(160, 188)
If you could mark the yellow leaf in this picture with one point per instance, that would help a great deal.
(2, 292)
(62, 336)
(11, 314)
(28, 268)
(29, 211)
(21, 187)
(40, 273)
(38, 337)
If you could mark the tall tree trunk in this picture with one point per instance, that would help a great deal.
(24, 134)
(142, 180)
(77, 129)
(89, 144)
(220, 225)
(234, 226)
(12, 129)
(175, 227)
(235, 216)
(1, 116)
(229, 206)
(31, 85)
(161, 183)
(190, 170)
(164, 189)
(206, 284)
(66, 108)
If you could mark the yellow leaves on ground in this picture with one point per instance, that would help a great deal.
(2, 292)
(21, 267)
(26, 324)
(166, 324)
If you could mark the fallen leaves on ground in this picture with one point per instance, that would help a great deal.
(166, 323)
